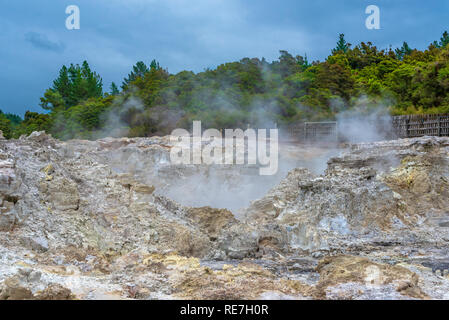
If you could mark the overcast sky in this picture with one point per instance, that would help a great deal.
(188, 35)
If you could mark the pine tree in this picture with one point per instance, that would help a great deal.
(62, 84)
(139, 70)
(73, 85)
(342, 45)
(114, 89)
(303, 62)
(444, 41)
(94, 85)
(405, 50)
(154, 65)
(14, 118)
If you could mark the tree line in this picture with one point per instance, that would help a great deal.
(151, 101)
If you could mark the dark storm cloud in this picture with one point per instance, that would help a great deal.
(188, 34)
(41, 41)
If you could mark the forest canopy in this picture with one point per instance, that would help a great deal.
(252, 91)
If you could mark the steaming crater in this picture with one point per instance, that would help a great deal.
(231, 187)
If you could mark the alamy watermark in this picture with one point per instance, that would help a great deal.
(373, 20)
(73, 20)
(236, 147)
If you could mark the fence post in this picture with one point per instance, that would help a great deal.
(305, 132)
(337, 137)
(407, 126)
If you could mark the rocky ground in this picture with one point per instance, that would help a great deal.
(100, 220)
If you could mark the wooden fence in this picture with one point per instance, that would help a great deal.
(407, 126)
(312, 132)
(410, 126)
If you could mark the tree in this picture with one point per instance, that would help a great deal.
(336, 78)
(15, 119)
(33, 121)
(154, 65)
(342, 45)
(73, 85)
(287, 64)
(5, 125)
(114, 89)
(93, 82)
(83, 120)
(444, 41)
(303, 62)
(139, 71)
(84, 84)
(62, 84)
(364, 55)
(52, 100)
(403, 51)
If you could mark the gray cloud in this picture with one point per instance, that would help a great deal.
(41, 41)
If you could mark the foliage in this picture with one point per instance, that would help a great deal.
(342, 45)
(5, 126)
(403, 51)
(444, 41)
(250, 91)
(74, 85)
(33, 121)
(114, 89)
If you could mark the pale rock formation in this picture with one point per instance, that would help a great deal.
(92, 220)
